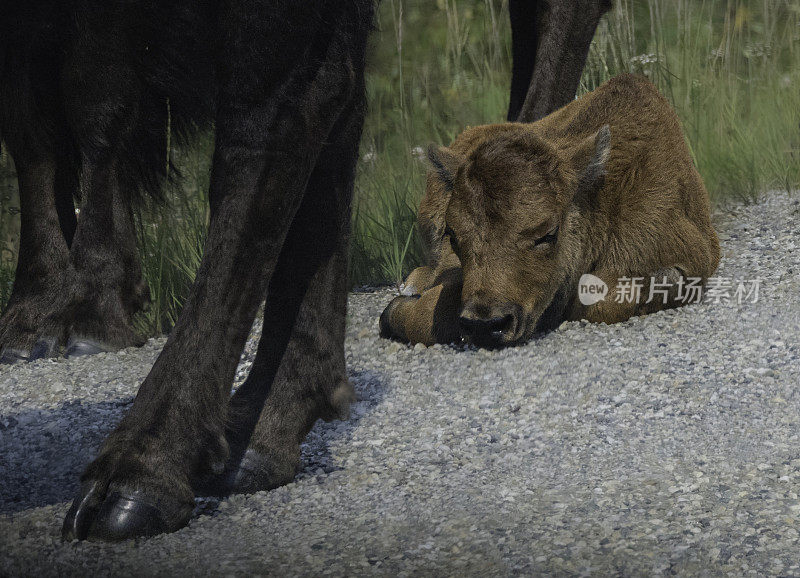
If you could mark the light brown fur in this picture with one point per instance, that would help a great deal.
(629, 206)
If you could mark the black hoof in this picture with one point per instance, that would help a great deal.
(122, 515)
(13, 355)
(45, 347)
(80, 347)
(258, 472)
(82, 512)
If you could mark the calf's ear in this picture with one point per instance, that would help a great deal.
(432, 208)
(590, 160)
(444, 163)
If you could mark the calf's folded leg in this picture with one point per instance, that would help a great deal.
(418, 280)
(429, 318)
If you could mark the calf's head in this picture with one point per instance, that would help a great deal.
(514, 211)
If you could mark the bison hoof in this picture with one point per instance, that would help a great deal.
(81, 347)
(13, 355)
(257, 472)
(120, 515)
(44, 347)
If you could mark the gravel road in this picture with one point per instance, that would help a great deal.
(665, 444)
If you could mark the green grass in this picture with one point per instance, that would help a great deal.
(171, 242)
(437, 67)
(732, 71)
(731, 68)
(9, 226)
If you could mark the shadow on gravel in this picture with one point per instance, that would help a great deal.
(316, 459)
(43, 452)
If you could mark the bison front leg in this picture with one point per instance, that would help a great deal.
(429, 318)
(299, 373)
(285, 77)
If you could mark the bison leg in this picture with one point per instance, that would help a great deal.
(90, 290)
(33, 127)
(524, 39)
(77, 285)
(28, 328)
(299, 372)
(110, 286)
(552, 57)
(286, 74)
(104, 103)
(429, 318)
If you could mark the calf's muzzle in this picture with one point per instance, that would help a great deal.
(490, 324)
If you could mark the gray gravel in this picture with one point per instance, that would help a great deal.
(666, 444)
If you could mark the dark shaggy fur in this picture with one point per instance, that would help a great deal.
(87, 88)
(60, 57)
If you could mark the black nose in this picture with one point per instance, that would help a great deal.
(486, 329)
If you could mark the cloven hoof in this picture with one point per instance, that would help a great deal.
(121, 515)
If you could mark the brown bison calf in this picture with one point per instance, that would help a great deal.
(515, 214)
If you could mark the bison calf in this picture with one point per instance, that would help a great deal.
(514, 214)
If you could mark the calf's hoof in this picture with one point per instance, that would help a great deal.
(120, 514)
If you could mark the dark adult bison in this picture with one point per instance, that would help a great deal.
(86, 89)
(515, 214)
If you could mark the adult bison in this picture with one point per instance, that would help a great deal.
(86, 88)
(515, 214)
